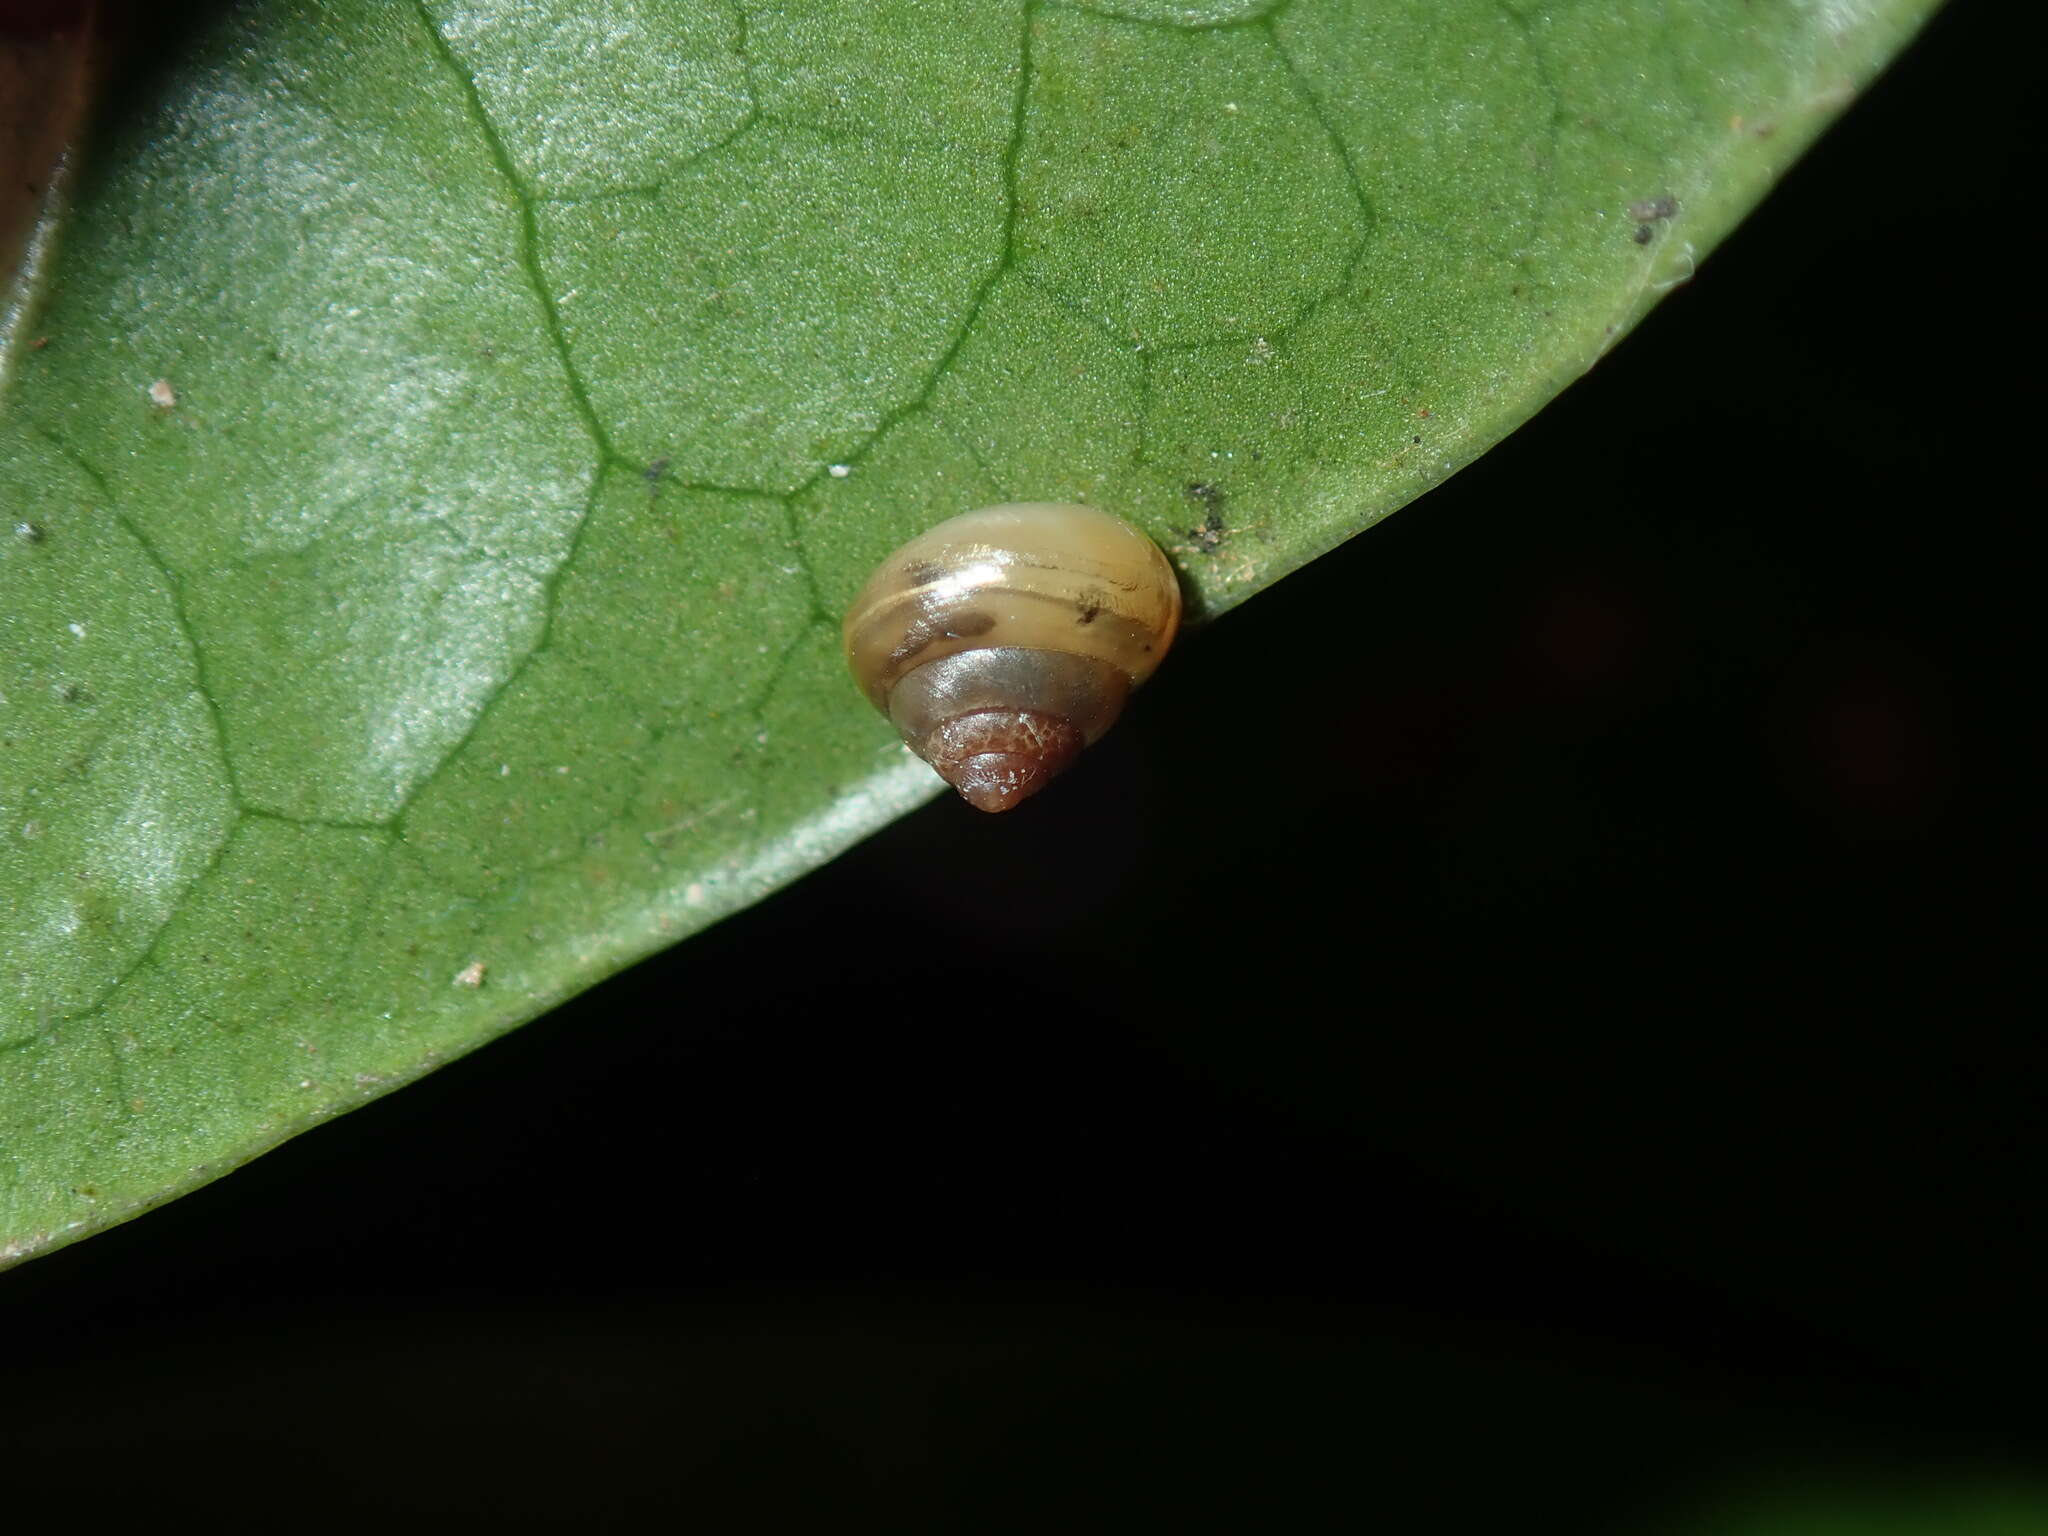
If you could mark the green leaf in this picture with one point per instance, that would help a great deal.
(454, 429)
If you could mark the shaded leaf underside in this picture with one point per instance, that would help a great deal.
(457, 621)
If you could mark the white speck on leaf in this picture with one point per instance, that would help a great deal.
(1678, 279)
(162, 396)
(471, 975)
(839, 471)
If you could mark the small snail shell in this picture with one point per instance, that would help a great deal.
(1002, 642)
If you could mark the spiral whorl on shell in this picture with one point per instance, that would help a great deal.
(1002, 642)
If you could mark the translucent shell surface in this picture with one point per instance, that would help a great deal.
(1003, 641)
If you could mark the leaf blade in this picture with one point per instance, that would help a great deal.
(461, 616)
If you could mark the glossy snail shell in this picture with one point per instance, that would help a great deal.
(1002, 642)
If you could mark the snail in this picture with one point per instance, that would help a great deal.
(1002, 642)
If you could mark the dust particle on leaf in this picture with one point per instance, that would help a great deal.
(162, 396)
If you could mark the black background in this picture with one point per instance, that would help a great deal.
(1523, 1025)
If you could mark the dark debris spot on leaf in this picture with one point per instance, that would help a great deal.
(1207, 536)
